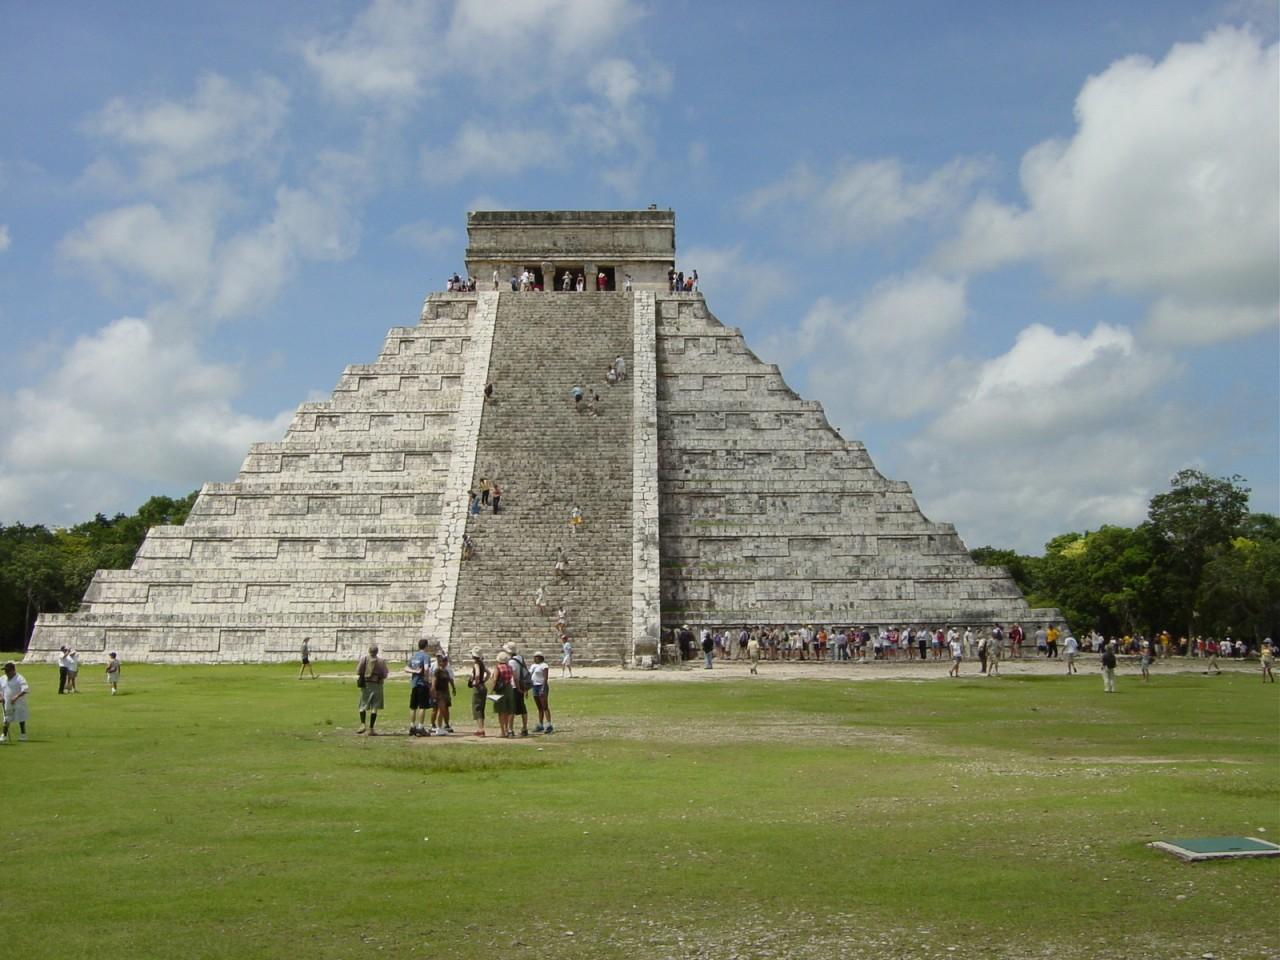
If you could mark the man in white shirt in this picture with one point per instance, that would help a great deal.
(13, 695)
(1072, 648)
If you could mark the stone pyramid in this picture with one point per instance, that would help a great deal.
(710, 493)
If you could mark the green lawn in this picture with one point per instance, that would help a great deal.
(231, 812)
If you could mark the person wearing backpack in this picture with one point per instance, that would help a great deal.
(523, 684)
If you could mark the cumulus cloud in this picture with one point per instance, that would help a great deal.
(736, 282)
(5, 239)
(1066, 431)
(1169, 189)
(860, 201)
(124, 408)
(395, 51)
(222, 122)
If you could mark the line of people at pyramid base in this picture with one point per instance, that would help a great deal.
(839, 644)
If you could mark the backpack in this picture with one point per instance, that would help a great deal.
(524, 679)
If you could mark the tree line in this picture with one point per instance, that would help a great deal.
(1201, 563)
(48, 570)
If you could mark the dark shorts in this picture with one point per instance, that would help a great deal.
(478, 701)
(419, 698)
(444, 698)
(521, 709)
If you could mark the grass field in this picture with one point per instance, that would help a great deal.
(231, 812)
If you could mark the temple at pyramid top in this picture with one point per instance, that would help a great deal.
(552, 243)
(600, 457)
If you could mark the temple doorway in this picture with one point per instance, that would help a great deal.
(537, 276)
(572, 273)
(608, 283)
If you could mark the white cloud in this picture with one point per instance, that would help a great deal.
(858, 202)
(125, 408)
(169, 248)
(223, 122)
(1169, 189)
(5, 239)
(394, 51)
(1062, 431)
(483, 151)
(384, 55)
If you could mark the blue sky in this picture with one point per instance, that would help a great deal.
(1027, 252)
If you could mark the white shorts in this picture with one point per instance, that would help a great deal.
(16, 712)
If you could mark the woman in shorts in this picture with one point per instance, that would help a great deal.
(566, 656)
(442, 689)
(540, 672)
(1146, 661)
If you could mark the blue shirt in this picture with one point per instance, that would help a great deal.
(419, 662)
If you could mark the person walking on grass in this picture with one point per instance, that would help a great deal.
(1108, 669)
(306, 659)
(479, 692)
(503, 696)
(566, 656)
(1267, 657)
(1071, 647)
(753, 653)
(957, 655)
(13, 698)
(371, 672)
(994, 653)
(419, 689)
(442, 690)
(113, 673)
(540, 674)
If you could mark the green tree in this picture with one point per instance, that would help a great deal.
(1240, 588)
(1199, 513)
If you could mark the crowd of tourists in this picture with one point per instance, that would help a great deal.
(509, 684)
(840, 644)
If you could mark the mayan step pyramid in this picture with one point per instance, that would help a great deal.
(710, 493)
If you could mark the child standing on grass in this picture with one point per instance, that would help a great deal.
(113, 673)
(1268, 657)
(1145, 661)
(540, 671)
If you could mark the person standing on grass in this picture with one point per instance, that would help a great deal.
(13, 698)
(753, 653)
(1267, 657)
(417, 668)
(504, 701)
(1145, 661)
(1109, 669)
(982, 653)
(957, 655)
(1015, 640)
(1071, 647)
(442, 689)
(113, 673)
(62, 670)
(306, 659)
(479, 693)
(540, 673)
(523, 684)
(1213, 657)
(708, 647)
(994, 654)
(566, 656)
(73, 671)
(371, 672)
